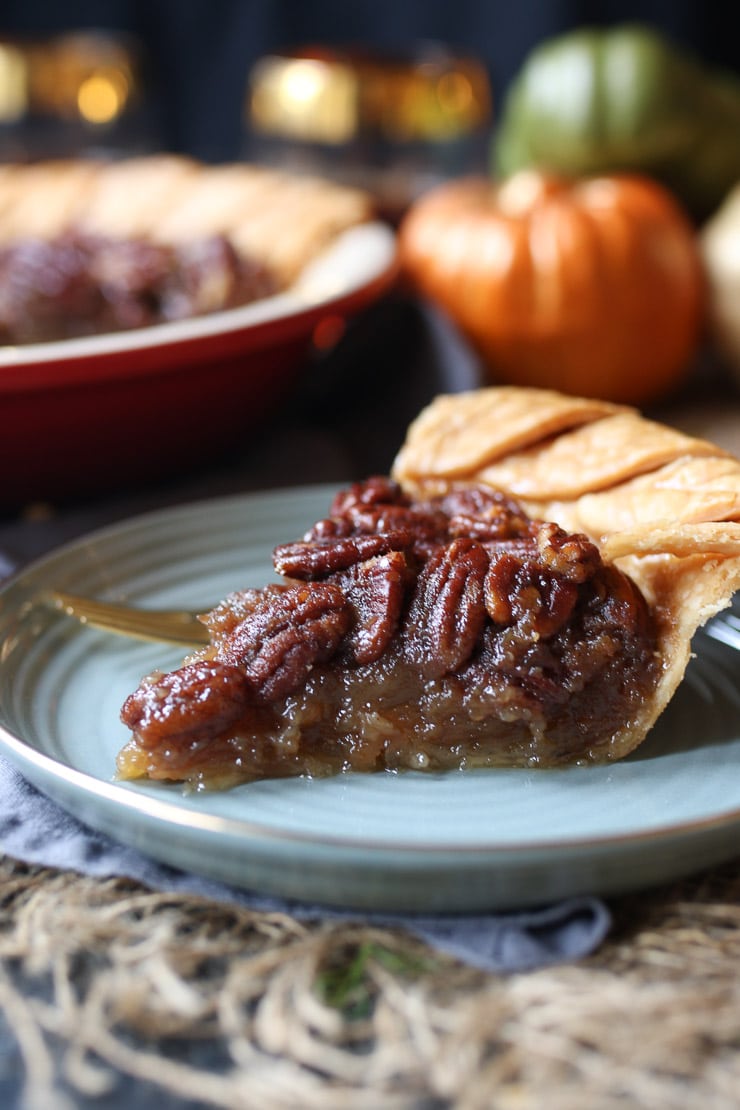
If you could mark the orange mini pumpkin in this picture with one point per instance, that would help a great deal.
(591, 286)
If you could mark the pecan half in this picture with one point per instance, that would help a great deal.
(519, 591)
(198, 701)
(426, 529)
(329, 528)
(278, 643)
(447, 614)
(376, 591)
(485, 515)
(224, 618)
(573, 556)
(373, 491)
(320, 558)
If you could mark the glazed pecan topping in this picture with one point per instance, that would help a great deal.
(425, 525)
(447, 613)
(380, 506)
(377, 490)
(472, 553)
(518, 592)
(486, 515)
(279, 642)
(199, 701)
(376, 591)
(499, 586)
(615, 598)
(329, 528)
(319, 558)
(573, 556)
(230, 612)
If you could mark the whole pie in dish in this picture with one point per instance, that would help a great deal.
(88, 247)
(521, 591)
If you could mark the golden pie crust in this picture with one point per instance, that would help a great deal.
(663, 506)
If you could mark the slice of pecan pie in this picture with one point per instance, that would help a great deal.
(466, 611)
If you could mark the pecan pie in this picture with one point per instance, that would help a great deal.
(89, 247)
(488, 604)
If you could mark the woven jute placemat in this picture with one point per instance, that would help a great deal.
(109, 988)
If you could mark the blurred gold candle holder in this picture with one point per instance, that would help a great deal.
(81, 92)
(392, 125)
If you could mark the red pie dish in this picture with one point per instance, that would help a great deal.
(90, 413)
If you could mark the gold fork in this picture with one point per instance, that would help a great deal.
(172, 626)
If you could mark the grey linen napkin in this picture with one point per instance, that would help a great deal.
(35, 830)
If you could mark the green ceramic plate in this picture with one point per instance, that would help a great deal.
(454, 842)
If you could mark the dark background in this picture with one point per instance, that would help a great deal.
(200, 51)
